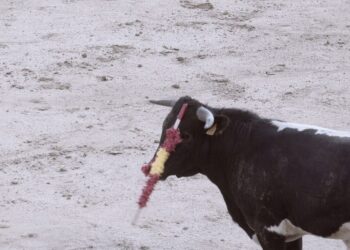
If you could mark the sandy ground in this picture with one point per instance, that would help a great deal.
(76, 125)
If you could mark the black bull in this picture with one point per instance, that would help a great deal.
(278, 182)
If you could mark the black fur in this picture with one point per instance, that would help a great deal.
(266, 176)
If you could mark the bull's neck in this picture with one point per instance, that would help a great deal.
(221, 166)
(230, 148)
(223, 174)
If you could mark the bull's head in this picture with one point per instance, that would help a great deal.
(200, 126)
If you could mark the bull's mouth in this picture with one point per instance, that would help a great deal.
(180, 175)
(163, 177)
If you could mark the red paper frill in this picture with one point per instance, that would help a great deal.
(172, 138)
(147, 190)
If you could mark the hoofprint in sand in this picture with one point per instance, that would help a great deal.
(76, 124)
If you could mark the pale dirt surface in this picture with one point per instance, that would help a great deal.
(76, 125)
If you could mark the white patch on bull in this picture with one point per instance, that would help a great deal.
(301, 127)
(343, 233)
(288, 230)
(255, 239)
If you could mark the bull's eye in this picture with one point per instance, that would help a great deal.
(186, 137)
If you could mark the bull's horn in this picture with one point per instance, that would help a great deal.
(205, 115)
(167, 103)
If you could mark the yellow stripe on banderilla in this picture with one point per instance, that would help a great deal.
(157, 167)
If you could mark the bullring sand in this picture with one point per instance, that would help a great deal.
(76, 124)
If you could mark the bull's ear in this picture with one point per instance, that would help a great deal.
(214, 124)
(221, 123)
